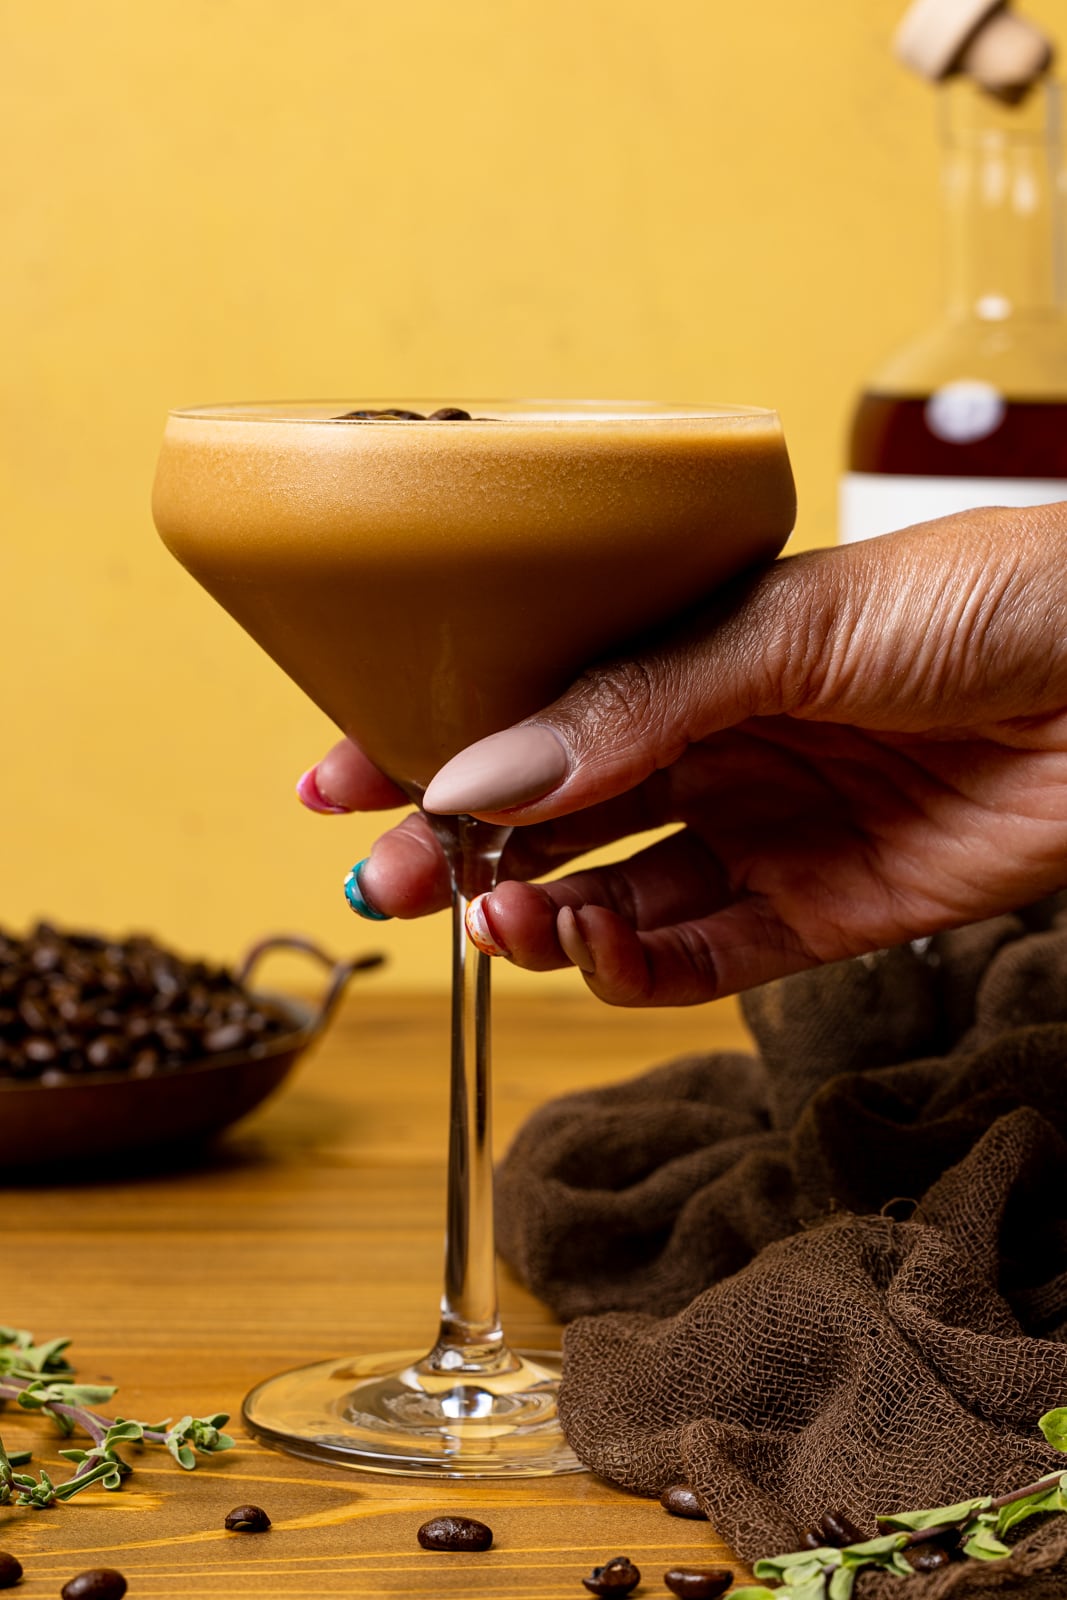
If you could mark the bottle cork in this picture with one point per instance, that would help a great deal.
(1007, 54)
(1002, 51)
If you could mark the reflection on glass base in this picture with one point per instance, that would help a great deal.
(399, 1413)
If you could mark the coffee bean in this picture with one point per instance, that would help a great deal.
(454, 1533)
(394, 415)
(927, 1557)
(681, 1501)
(247, 1519)
(442, 414)
(228, 1037)
(10, 1570)
(616, 1577)
(98, 1583)
(839, 1529)
(39, 1049)
(811, 1539)
(698, 1583)
(106, 1052)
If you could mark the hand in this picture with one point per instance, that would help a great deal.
(860, 746)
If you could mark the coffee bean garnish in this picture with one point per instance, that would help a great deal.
(681, 1501)
(10, 1570)
(443, 414)
(616, 1577)
(455, 1533)
(247, 1519)
(391, 415)
(78, 1004)
(98, 1583)
(698, 1583)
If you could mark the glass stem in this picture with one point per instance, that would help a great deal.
(470, 1338)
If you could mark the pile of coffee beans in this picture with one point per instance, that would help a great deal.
(73, 1004)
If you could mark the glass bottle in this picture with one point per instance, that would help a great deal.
(974, 411)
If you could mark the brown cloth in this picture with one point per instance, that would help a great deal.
(833, 1275)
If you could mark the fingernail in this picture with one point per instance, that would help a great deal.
(358, 900)
(310, 795)
(478, 931)
(572, 940)
(501, 771)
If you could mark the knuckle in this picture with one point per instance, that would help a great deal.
(629, 708)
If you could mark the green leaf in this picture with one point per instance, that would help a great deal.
(17, 1336)
(841, 1583)
(813, 1588)
(915, 1521)
(797, 1566)
(121, 1430)
(858, 1554)
(1054, 1426)
(81, 1394)
(984, 1545)
(47, 1357)
(1047, 1500)
(103, 1473)
(755, 1591)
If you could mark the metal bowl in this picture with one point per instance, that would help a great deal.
(84, 1117)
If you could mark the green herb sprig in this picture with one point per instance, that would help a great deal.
(979, 1526)
(38, 1377)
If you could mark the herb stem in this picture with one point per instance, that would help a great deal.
(1032, 1488)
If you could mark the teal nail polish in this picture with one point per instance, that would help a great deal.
(356, 899)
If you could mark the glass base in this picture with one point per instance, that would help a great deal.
(399, 1413)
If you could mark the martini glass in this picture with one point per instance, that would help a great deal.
(427, 581)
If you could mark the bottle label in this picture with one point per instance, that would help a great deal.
(873, 503)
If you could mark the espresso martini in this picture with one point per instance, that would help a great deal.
(429, 582)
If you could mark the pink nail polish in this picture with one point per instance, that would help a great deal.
(310, 795)
(572, 940)
(478, 928)
(506, 769)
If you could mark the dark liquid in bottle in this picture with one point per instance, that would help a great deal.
(890, 434)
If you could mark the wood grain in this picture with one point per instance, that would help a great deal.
(312, 1230)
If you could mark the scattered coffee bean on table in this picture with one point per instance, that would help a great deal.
(698, 1583)
(681, 1501)
(616, 1577)
(10, 1570)
(98, 1583)
(247, 1519)
(455, 1533)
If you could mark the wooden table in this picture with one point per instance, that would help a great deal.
(314, 1229)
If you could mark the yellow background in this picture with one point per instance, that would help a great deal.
(237, 199)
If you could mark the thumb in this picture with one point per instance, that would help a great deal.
(754, 651)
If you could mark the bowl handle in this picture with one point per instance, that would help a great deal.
(339, 971)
